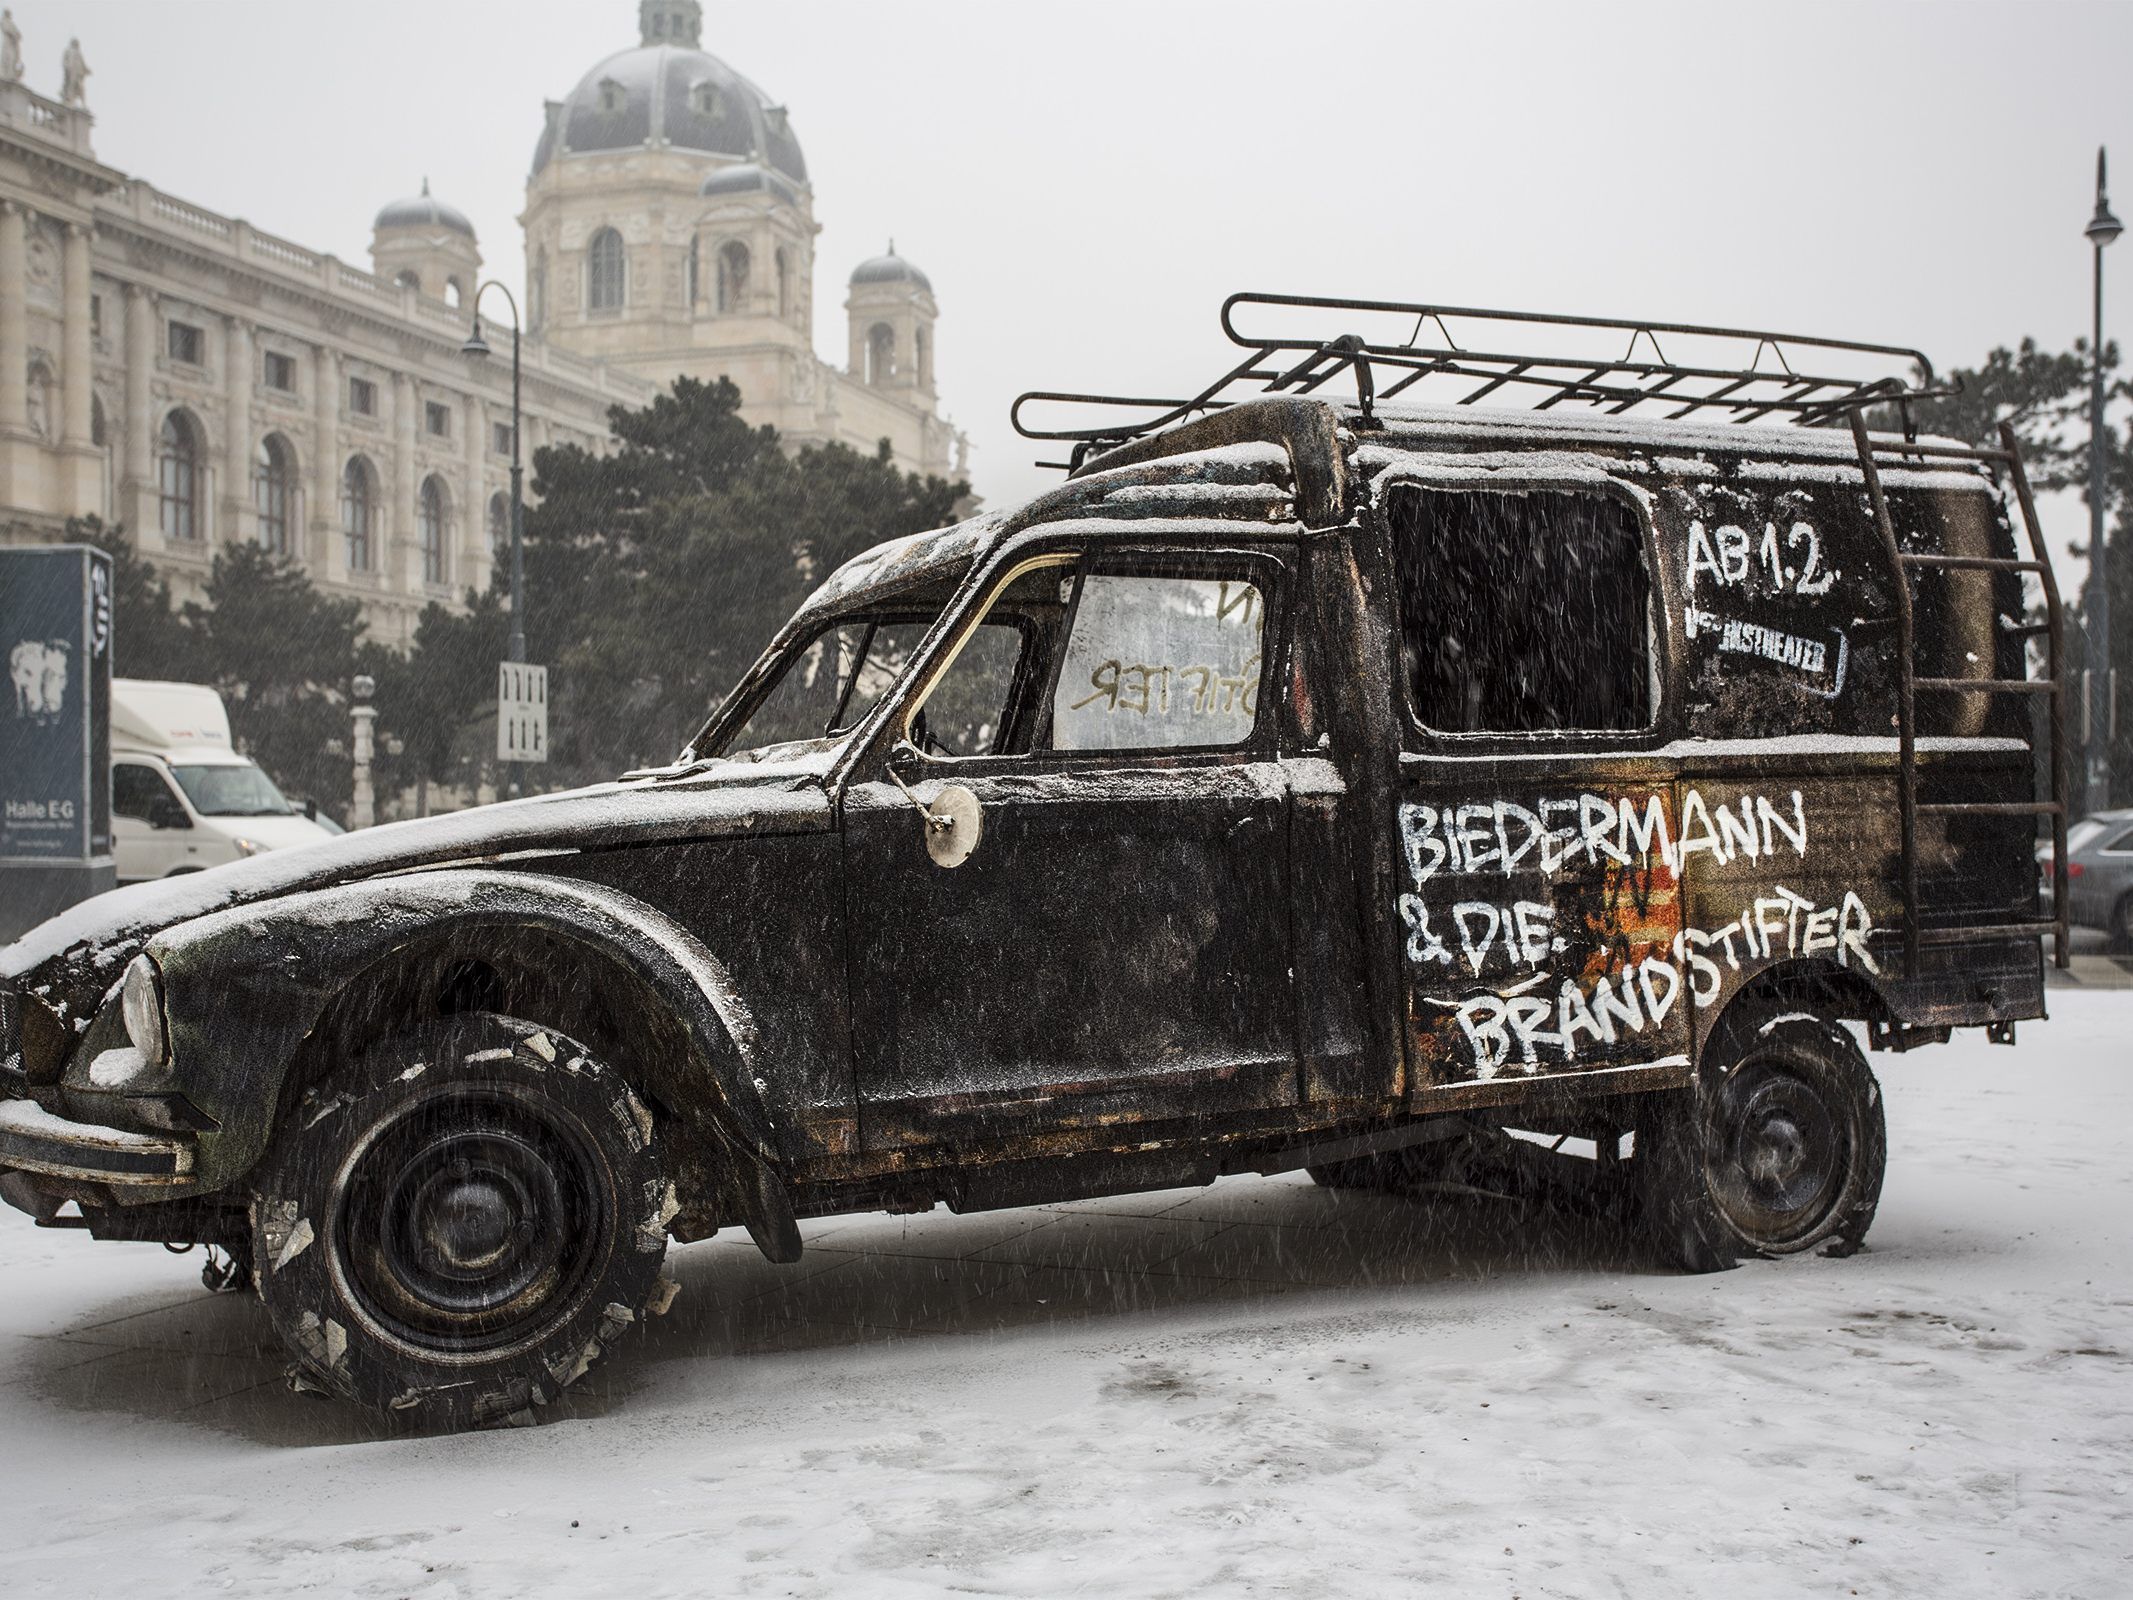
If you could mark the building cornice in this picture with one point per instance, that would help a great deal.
(52, 140)
(336, 315)
(332, 297)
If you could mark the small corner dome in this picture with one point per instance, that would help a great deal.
(891, 268)
(424, 211)
(748, 178)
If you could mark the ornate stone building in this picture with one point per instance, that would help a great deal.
(670, 230)
(203, 381)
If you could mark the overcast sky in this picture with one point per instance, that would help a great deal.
(1083, 183)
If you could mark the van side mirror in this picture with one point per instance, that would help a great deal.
(167, 813)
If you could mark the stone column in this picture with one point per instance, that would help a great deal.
(472, 567)
(237, 448)
(137, 483)
(14, 319)
(402, 558)
(330, 552)
(77, 349)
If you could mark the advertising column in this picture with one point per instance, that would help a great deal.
(55, 732)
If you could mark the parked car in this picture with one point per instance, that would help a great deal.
(1306, 783)
(2099, 872)
(182, 798)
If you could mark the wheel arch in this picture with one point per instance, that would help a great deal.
(1825, 989)
(269, 994)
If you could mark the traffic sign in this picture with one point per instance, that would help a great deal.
(521, 712)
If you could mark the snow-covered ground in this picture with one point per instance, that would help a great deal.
(1257, 1389)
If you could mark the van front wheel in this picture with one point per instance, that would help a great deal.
(459, 1221)
(1778, 1148)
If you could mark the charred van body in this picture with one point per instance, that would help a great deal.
(1303, 783)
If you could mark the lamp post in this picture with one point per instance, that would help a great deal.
(2102, 229)
(478, 348)
(362, 812)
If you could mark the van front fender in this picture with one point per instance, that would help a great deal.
(243, 989)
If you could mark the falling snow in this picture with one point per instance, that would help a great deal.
(1263, 1388)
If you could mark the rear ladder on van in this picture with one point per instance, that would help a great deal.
(1873, 454)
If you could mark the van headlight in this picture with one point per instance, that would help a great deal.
(141, 1003)
(248, 847)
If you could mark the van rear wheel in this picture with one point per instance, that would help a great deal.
(1779, 1147)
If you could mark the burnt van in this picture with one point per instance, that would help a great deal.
(1331, 774)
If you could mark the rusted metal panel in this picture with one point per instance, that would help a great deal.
(1353, 921)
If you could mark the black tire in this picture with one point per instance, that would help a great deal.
(454, 1226)
(2121, 929)
(1779, 1147)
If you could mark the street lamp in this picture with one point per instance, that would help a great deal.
(2102, 229)
(478, 348)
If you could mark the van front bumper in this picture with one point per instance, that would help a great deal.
(33, 1139)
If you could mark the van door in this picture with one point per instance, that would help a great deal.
(1116, 949)
(139, 792)
(1540, 899)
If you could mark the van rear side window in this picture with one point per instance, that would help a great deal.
(1522, 613)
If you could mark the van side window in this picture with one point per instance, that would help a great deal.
(1159, 663)
(136, 789)
(1522, 612)
(1151, 658)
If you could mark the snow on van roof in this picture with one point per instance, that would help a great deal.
(938, 552)
(1788, 440)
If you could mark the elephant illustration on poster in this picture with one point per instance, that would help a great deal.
(38, 670)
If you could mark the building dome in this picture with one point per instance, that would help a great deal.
(422, 211)
(667, 93)
(891, 268)
(748, 178)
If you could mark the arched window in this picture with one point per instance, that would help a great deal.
(430, 518)
(732, 277)
(606, 272)
(881, 353)
(695, 290)
(499, 524)
(784, 271)
(359, 511)
(274, 492)
(537, 307)
(925, 360)
(454, 292)
(408, 278)
(178, 476)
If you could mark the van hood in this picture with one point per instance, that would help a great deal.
(273, 832)
(720, 800)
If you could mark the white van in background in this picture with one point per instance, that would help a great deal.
(182, 798)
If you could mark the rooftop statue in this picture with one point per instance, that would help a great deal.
(74, 76)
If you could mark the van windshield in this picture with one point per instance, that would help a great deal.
(232, 791)
(833, 680)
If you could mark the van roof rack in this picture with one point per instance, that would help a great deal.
(1741, 374)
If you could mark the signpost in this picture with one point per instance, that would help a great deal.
(55, 731)
(521, 712)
